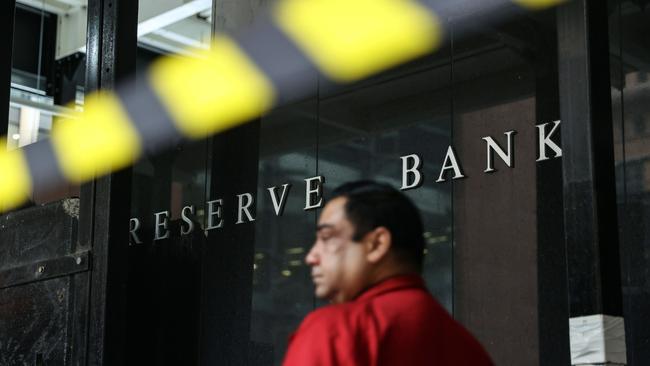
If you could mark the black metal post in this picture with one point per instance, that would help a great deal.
(590, 213)
(105, 203)
(6, 42)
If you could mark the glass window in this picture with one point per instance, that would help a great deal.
(366, 128)
(255, 286)
(48, 73)
(164, 277)
(630, 70)
(282, 289)
(343, 135)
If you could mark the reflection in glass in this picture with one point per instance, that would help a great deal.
(48, 73)
(177, 178)
(164, 278)
(356, 133)
(365, 129)
(630, 70)
(174, 27)
(282, 289)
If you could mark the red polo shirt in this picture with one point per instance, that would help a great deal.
(396, 322)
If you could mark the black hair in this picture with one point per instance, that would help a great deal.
(370, 205)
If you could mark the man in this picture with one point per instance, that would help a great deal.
(367, 260)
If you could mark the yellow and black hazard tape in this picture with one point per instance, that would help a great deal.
(236, 80)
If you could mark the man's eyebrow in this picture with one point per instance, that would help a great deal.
(323, 226)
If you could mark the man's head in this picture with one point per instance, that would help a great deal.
(367, 232)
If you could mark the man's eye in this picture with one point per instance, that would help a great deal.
(323, 235)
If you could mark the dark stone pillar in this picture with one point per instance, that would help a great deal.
(590, 213)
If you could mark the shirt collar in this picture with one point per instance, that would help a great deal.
(390, 284)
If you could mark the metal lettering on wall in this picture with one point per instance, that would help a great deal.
(313, 192)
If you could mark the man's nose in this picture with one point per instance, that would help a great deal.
(312, 256)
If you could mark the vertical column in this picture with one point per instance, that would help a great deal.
(6, 43)
(227, 268)
(105, 203)
(227, 274)
(596, 329)
(552, 295)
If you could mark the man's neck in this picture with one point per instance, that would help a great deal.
(389, 270)
(384, 273)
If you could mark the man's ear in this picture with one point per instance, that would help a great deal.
(378, 244)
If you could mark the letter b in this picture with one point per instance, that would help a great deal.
(413, 171)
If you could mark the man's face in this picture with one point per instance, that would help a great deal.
(338, 264)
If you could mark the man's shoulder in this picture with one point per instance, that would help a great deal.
(378, 311)
(405, 301)
(330, 335)
(329, 316)
(324, 313)
(413, 322)
(339, 320)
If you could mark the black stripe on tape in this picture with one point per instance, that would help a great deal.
(148, 115)
(293, 75)
(44, 167)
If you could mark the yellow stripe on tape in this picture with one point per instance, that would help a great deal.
(212, 92)
(352, 39)
(101, 140)
(15, 181)
(538, 4)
